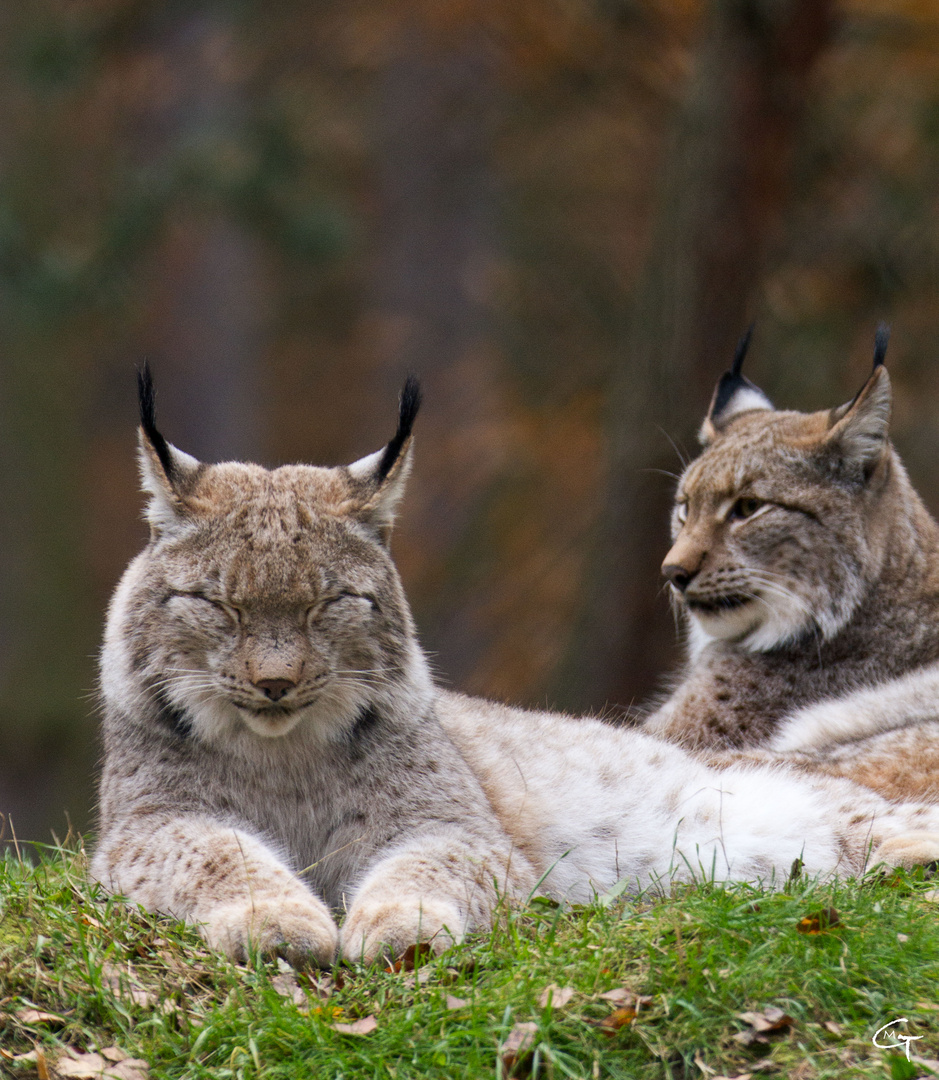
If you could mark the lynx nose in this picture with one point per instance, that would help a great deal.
(275, 688)
(677, 575)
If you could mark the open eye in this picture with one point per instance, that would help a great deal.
(681, 512)
(745, 508)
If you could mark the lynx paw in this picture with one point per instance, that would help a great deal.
(300, 931)
(908, 850)
(375, 929)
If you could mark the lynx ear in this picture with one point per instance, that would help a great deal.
(380, 478)
(733, 395)
(859, 429)
(165, 472)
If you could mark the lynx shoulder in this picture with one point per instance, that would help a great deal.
(277, 754)
(808, 571)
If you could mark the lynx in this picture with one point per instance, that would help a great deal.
(808, 570)
(277, 756)
(269, 717)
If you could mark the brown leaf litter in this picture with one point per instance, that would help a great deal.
(771, 1023)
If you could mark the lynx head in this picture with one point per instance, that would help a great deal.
(778, 524)
(265, 599)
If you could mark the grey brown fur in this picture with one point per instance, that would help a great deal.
(278, 761)
(322, 759)
(808, 570)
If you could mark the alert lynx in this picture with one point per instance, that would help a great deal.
(808, 569)
(278, 760)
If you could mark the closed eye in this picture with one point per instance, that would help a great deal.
(344, 595)
(349, 594)
(230, 610)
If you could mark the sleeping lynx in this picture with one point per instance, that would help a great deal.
(274, 753)
(809, 571)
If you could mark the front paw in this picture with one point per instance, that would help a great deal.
(301, 931)
(388, 928)
(908, 850)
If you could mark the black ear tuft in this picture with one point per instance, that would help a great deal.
(741, 351)
(147, 399)
(881, 339)
(408, 405)
(732, 382)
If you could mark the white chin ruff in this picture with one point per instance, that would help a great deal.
(219, 721)
(271, 727)
(756, 627)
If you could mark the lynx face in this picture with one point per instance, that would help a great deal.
(776, 525)
(265, 599)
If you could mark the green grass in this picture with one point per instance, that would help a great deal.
(119, 976)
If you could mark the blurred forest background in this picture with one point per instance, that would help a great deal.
(559, 213)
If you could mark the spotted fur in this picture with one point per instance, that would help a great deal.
(807, 568)
(278, 761)
(271, 750)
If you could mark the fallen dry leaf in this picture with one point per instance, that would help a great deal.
(85, 1066)
(365, 1026)
(517, 1046)
(414, 956)
(619, 995)
(456, 1003)
(124, 984)
(555, 996)
(818, 922)
(419, 977)
(111, 1063)
(618, 1018)
(629, 1003)
(31, 1057)
(321, 983)
(37, 1016)
(765, 1025)
(771, 1019)
(831, 1026)
(285, 983)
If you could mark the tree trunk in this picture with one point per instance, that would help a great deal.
(725, 191)
(205, 320)
(437, 194)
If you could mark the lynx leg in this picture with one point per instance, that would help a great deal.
(227, 883)
(429, 893)
(908, 850)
